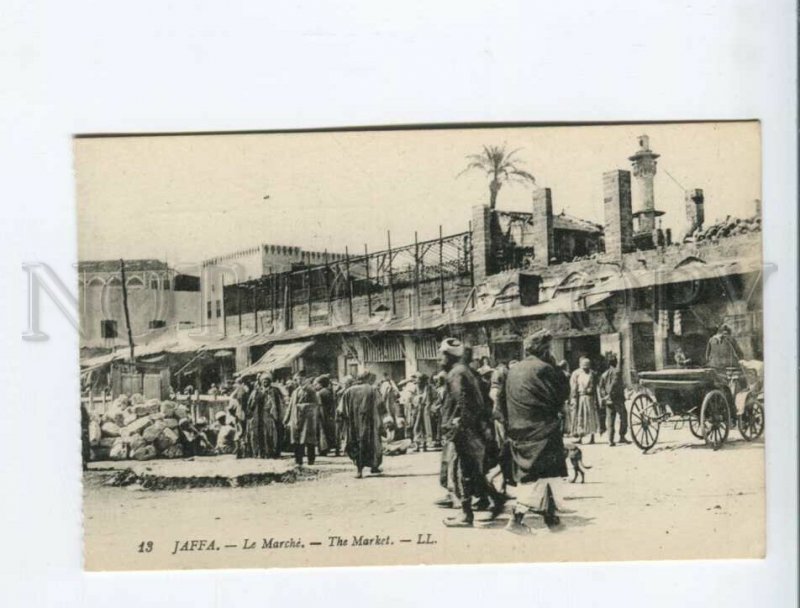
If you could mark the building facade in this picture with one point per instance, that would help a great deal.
(625, 287)
(159, 299)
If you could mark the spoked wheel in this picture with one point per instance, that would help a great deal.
(644, 421)
(751, 422)
(715, 419)
(695, 428)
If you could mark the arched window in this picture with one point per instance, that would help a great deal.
(96, 282)
(135, 282)
(114, 282)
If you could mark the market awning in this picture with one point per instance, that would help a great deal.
(562, 303)
(277, 357)
(695, 271)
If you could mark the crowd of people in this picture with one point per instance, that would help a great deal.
(496, 426)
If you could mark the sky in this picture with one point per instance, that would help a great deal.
(184, 198)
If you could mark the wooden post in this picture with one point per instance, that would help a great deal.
(416, 274)
(308, 298)
(255, 308)
(125, 306)
(470, 255)
(224, 315)
(239, 305)
(369, 286)
(441, 268)
(391, 273)
(328, 284)
(349, 283)
(271, 300)
(287, 314)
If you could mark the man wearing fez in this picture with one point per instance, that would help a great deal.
(534, 398)
(467, 425)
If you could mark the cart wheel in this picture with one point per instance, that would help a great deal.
(715, 418)
(644, 427)
(751, 422)
(695, 428)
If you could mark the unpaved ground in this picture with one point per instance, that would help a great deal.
(680, 501)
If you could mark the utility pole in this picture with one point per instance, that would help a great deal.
(391, 274)
(369, 285)
(441, 268)
(125, 306)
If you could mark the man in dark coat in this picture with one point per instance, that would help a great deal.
(467, 424)
(611, 391)
(362, 416)
(535, 393)
(327, 402)
(722, 351)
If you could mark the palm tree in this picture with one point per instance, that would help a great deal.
(501, 167)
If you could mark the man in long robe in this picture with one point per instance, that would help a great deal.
(584, 412)
(327, 402)
(265, 420)
(362, 415)
(302, 420)
(467, 425)
(237, 406)
(535, 392)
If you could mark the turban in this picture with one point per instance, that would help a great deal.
(537, 340)
(453, 347)
(323, 380)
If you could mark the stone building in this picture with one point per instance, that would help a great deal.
(159, 298)
(624, 286)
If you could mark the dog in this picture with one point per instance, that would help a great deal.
(573, 453)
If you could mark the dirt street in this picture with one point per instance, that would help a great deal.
(682, 500)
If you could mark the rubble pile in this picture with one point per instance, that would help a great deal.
(133, 428)
(730, 226)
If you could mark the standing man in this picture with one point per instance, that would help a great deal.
(301, 419)
(535, 394)
(256, 405)
(612, 395)
(722, 350)
(467, 425)
(583, 399)
(327, 402)
(237, 404)
(497, 395)
(361, 414)
(425, 399)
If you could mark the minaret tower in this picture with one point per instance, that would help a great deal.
(644, 170)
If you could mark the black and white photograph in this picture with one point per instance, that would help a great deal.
(422, 346)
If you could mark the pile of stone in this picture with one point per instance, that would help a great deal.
(138, 429)
(730, 226)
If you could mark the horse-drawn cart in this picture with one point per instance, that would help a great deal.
(708, 400)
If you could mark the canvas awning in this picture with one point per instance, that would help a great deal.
(695, 271)
(277, 357)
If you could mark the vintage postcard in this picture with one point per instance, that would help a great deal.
(421, 346)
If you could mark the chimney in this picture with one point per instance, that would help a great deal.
(618, 232)
(695, 209)
(543, 243)
(481, 241)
